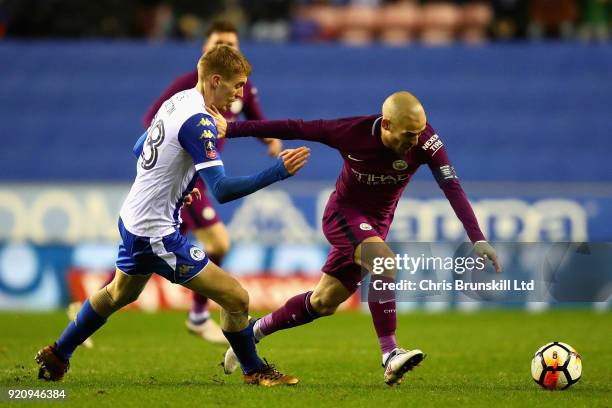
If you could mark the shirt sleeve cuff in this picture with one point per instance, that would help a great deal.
(208, 164)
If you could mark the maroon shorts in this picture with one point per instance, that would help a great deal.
(201, 213)
(345, 228)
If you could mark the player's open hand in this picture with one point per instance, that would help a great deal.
(295, 159)
(220, 121)
(188, 200)
(485, 250)
(274, 146)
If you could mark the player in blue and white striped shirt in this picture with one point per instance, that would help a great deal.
(180, 145)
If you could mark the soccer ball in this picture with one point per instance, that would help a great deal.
(556, 366)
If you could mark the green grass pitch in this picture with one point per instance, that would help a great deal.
(473, 359)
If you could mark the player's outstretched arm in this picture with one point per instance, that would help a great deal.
(252, 111)
(289, 129)
(198, 136)
(226, 188)
(444, 173)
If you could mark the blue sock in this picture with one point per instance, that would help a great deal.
(86, 323)
(243, 344)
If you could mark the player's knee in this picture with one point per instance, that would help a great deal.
(243, 299)
(379, 262)
(237, 300)
(324, 305)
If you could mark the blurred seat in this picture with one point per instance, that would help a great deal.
(439, 22)
(555, 18)
(398, 22)
(476, 18)
(358, 24)
(326, 17)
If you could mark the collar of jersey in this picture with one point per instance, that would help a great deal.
(376, 126)
(195, 89)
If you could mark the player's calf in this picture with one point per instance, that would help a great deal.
(122, 291)
(324, 305)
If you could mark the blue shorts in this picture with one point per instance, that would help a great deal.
(171, 256)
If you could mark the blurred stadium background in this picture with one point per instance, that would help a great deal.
(519, 89)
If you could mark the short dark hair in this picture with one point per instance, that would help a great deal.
(221, 26)
(223, 60)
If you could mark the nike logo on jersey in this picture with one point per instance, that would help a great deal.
(355, 159)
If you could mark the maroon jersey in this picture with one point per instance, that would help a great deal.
(373, 176)
(247, 105)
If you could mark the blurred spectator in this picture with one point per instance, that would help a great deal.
(156, 21)
(552, 18)
(596, 15)
(3, 18)
(269, 19)
(399, 22)
(510, 19)
(355, 22)
(475, 20)
(440, 21)
(70, 18)
(317, 22)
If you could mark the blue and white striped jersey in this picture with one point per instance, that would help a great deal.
(181, 140)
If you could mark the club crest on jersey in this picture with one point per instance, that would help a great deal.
(400, 165)
(205, 122)
(211, 152)
(196, 253)
(207, 134)
(365, 226)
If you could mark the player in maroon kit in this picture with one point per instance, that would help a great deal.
(381, 153)
(200, 217)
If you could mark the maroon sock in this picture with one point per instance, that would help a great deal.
(200, 303)
(296, 312)
(384, 317)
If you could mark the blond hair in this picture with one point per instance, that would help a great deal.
(223, 60)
